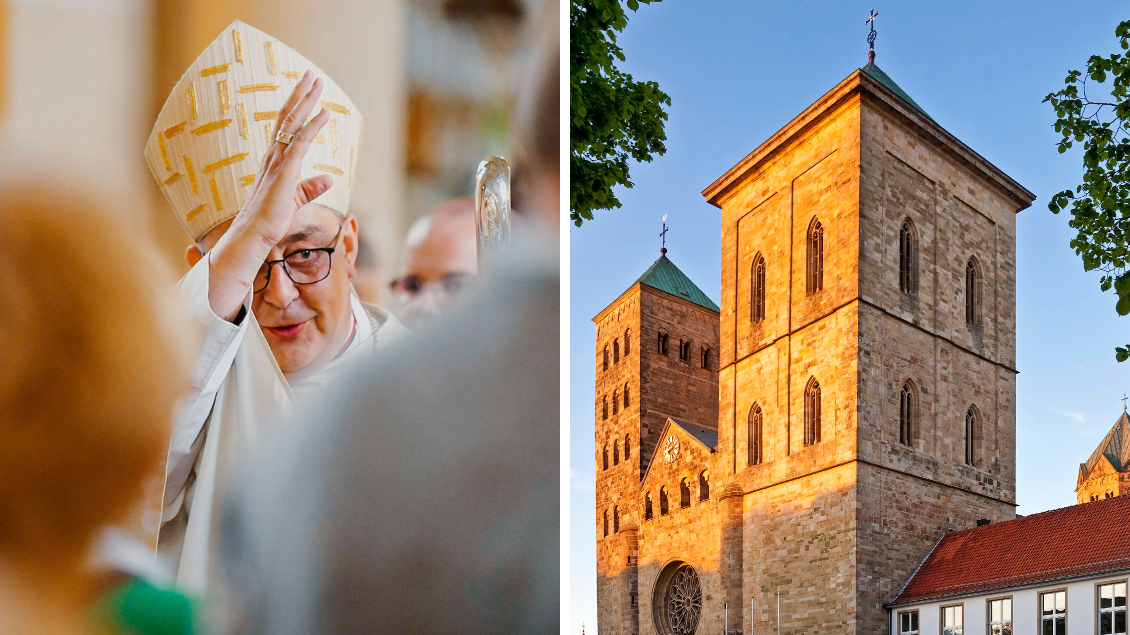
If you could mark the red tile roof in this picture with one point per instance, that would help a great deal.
(1063, 543)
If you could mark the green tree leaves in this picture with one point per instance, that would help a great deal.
(1100, 205)
(612, 116)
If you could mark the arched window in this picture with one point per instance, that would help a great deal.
(815, 266)
(627, 342)
(908, 413)
(606, 522)
(908, 257)
(604, 407)
(971, 424)
(663, 501)
(615, 351)
(627, 395)
(684, 493)
(616, 519)
(704, 485)
(616, 453)
(606, 457)
(662, 343)
(605, 358)
(757, 291)
(973, 292)
(684, 350)
(647, 506)
(615, 401)
(705, 355)
(754, 442)
(627, 447)
(812, 412)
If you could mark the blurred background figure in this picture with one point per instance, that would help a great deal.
(82, 82)
(440, 261)
(94, 359)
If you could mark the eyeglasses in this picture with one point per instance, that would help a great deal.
(305, 266)
(411, 287)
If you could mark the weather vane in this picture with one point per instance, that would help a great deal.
(871, 37)
(663, 235)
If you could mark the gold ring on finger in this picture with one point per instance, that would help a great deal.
(284, 137)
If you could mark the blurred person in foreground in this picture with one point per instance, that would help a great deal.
(94, 361)
(440, 259)
(433, 507)
(255, 151)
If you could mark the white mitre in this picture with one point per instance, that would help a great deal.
(216, 126)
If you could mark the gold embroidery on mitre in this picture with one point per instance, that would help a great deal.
(225, 99)
(209, 127)
(251, 88)
(333, 135)
(267, 115)
(192, 100)
(173, 131)
(243, 121)
(335, 107)
(320, 139)
(267, 129)
(164, 152)
(292, 74)
(216, 193)
(191, 174)
(173, 179)
(271, 68)
(247, 179)
(215, 70)
(235, 158)
(328, 168)
(196, 212)
(238, 45)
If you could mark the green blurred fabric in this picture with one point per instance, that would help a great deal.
(140, 608)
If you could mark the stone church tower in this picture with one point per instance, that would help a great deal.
(1106, 473)
(866, 382)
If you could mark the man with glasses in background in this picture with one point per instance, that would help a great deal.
(440, 260)
(261, 183)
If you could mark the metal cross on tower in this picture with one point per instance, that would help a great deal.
(1123, 402)
(663, 235)
(871, 37)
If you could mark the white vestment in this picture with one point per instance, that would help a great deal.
(238, 395)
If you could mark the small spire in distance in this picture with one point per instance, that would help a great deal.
(663, 235)
(871, 37)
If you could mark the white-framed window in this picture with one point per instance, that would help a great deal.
(908, 623)
(1053, 613)
(953, 620)
(1000, 616)
(1112, 609)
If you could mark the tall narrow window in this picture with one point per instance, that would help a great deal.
(973, 292)
(627, 395)
(663, 501)
(953, 622)
(627, 447)
(606, 457)
(815, 267)
(615, 401)
(906, 413)
(1112, 609)
(616, 519)
(757, 299)
(604, 408)
(605, 358)
(627, 342)
(606, 522)
(908, 623)
(812, 412)
(704, 485)
(615, 351)
(647, 507)
(1000, 617)
(684, 350)
(1053, 613)
(908, 258)
(616, 452)
(971, 437)
(684, 493)
(755, 454)
(662, 343)
(705, 355)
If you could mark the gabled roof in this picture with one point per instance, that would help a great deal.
(878, 75)
(1076, 541)
(665, 276)
(707, 437)
(1115, 446)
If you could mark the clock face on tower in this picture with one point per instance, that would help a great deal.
(671, 449)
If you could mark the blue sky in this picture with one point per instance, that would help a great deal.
(737, 71)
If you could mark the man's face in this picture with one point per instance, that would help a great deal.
(307, 325)
(440, 257)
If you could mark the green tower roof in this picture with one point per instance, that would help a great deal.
(665, 276)
(876, 73)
